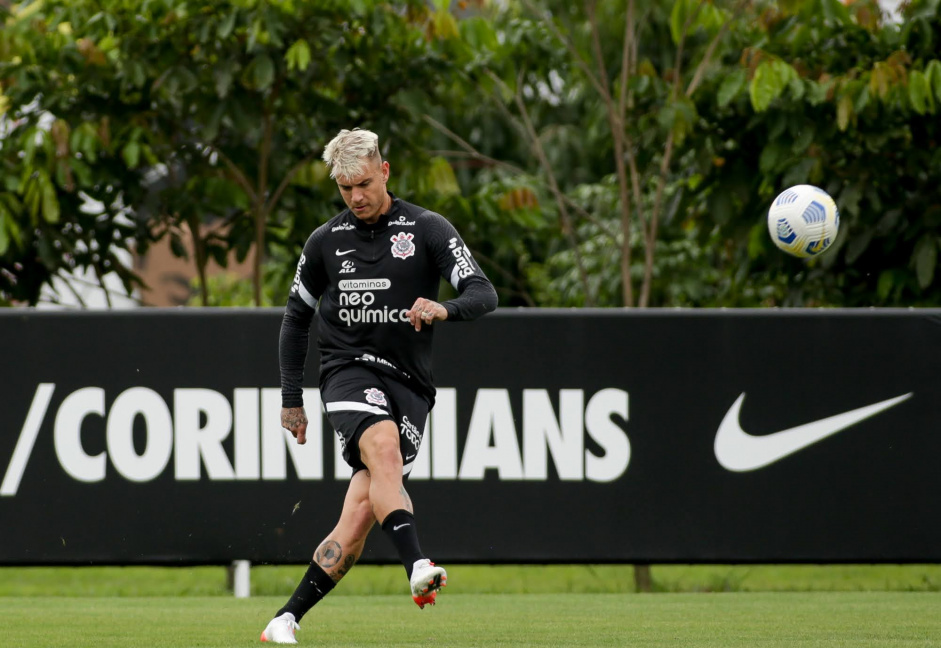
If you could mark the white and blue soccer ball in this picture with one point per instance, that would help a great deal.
(803, 221)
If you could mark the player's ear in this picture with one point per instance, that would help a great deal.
(385, 171)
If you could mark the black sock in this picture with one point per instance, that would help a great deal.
(315, 585)
(399, 525)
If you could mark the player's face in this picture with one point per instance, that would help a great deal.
(365, 194)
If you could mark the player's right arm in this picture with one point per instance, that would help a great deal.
(309, 283)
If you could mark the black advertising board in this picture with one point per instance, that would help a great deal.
(558, 436)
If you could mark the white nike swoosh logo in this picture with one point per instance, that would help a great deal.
(739, 451)
(399, 526)
(347, 252)
(409, 457)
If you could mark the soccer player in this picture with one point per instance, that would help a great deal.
(371, 276)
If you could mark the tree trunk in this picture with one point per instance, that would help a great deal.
(642, 579)
(199, 257)
(260, 218)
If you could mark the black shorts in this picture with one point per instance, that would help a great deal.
(356, 398)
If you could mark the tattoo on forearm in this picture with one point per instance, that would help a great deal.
(328, 554)
(406, 499)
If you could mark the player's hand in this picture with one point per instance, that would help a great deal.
(294, 420)
(426, 311)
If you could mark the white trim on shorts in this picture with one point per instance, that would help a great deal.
(353, 406)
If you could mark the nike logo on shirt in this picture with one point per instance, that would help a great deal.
(345, 252)
(399, 526)
(739, 451)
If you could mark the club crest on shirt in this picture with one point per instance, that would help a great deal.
(402, 246)
(375, 396)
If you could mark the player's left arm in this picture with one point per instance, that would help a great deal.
(476, 297)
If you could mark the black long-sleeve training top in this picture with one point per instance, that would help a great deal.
(365, 277)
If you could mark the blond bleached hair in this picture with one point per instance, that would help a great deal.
(348, 153)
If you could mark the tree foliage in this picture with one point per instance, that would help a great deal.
(602, 152)
(181, 113)
(841, 112)
(769, 95)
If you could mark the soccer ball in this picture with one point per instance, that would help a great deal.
(803, 220)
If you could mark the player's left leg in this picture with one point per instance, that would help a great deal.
(383, 449)
(333, 559)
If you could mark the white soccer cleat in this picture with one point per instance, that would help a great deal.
(280, 630)
(427, 579)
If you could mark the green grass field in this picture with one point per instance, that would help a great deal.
(727, 606)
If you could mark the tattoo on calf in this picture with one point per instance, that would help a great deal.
(328, 554)
(406, 499)
(347, 566)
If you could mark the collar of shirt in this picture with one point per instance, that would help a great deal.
(383, 222)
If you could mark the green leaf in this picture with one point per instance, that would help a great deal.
(711, 18)
(50, 202)
(849, 199)
(766, 86)
(215, 121)
(82, 171)
(925, 259)
(757, 239)
(5, 217)
(919, 92)
(445, 25)
(798, 88)
(184, 79)
(227, 25)
(888, 222)
(262, 72)
(731, 86)
(771, 156)
(720, 205)
(817, 92)
(784, 72)
(298, 55)
(131, 154)
(136, 74)
(933, 74)
(835, 11)
(885, 284)
(862, 100)
(804, 138)
(108, 43)
(857, 245)
(223, 74)
(678, 16)
(177, 247)
(478, 34)
(220, 255)
(31, 199)
(29, 145)
(799, 173)
(441, 177)
(844, 112)
(879, 79)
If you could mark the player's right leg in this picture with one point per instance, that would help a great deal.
(335, 556)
